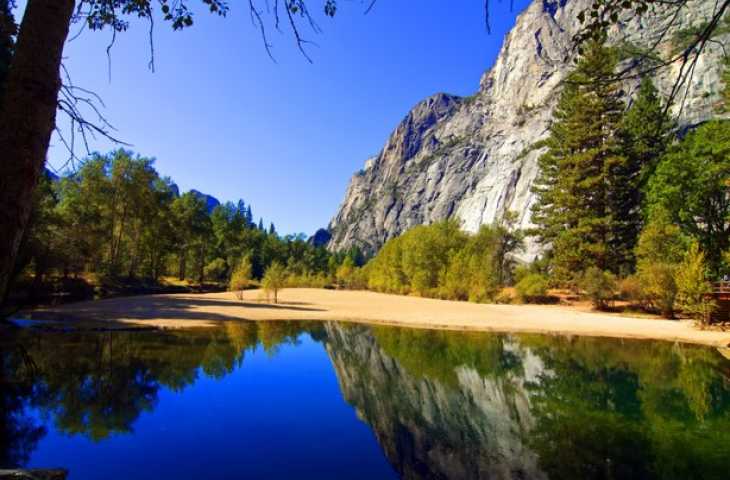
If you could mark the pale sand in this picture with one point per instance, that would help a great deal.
(192, 310)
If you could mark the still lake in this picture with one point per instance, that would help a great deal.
(265, 400)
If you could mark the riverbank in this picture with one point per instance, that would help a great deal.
(195, 310)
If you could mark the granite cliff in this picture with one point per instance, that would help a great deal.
(474, 158)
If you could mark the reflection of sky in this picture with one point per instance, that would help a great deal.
(276, 417)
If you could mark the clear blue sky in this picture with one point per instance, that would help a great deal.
(219, 116)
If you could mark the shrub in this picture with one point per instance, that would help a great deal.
(599, 286)
(631, 289)
(659, 286)
(693, 287)
(345, 273)
(241, 277)
(215, 269)
(532, 288)
(505, 297)
(274, 279)
(307, 280)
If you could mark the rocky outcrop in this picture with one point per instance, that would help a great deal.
(474, 158)
(210, 201)
(320, 238)
(475, 428)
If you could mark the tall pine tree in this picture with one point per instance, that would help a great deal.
(646, 130)
(574, 212)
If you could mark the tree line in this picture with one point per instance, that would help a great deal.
(117, 219)
(625, 202)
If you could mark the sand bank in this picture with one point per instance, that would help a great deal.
(194, 310)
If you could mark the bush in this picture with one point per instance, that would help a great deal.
(241, 277)
(660, 287)
(345, 273)
(660, 248)
(274, 279)
(308, 280)
(631, 290)
(693, 287)
(504, 297)
(599, 286)
(532, 288)
(215, 269)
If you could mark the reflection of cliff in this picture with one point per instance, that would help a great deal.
(469, 426)
(470, 405)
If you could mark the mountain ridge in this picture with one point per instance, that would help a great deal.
(474, 158)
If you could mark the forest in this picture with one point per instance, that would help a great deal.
(116, 226)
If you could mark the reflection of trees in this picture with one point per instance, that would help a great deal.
(19, 434)
(634, 410)
(437, 354)
(470, 405)
(98, 383)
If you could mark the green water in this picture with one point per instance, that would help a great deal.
(334, 400)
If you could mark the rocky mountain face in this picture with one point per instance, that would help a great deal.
(475, 427)
(474, 158)
(210, 201)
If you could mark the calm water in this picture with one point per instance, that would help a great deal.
(309, 400)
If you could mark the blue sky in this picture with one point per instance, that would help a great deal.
(221, 117)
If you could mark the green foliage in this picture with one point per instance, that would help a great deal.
(579, 212)
(693, 287)
(631, 289)
(117, 218)
(660, 248)
(659, 287)
(532, 288)
(599, 286)
(691, 185)
(241, 276)
(345, 273)
(216, 269)
(274, 279)
(440, 260)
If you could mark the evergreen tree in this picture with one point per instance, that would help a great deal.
(249, 216)
(272, 229)
(261, 225)
(574, 212)
(646, 131)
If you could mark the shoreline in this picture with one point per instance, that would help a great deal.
(202, 310)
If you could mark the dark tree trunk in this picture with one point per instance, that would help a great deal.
(181, 265)
(27, 118)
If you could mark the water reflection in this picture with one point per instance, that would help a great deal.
(441, 405)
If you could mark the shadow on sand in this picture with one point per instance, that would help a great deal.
(165, 308)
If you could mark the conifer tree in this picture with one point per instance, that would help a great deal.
(574, 209)
(646, 131)
(261, 224)
(272, 229)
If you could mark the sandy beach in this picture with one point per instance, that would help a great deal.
(195, 310)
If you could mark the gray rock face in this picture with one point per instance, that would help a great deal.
(475, 428)
(472, 158)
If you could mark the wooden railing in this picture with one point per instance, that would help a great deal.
(721, 295)
(721, 287)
